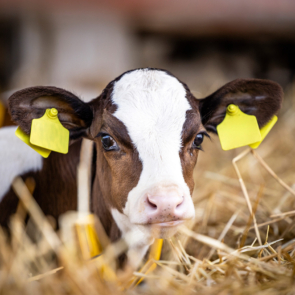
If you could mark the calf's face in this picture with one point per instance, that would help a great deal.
(149, 137)
(148, 129)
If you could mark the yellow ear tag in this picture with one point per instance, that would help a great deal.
(149, 266)
(264, 131)
(237, 129)
(26, 139)
(47, 132)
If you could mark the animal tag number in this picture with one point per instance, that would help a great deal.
(47, 132)
(26, 139)
(238, 129)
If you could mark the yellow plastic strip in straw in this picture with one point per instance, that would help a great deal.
(155, 254)
(156, 249)
(87, 237)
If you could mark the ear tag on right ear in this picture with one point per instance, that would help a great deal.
(264, 131)
(26, 139)
(237, 129)
(47, 132)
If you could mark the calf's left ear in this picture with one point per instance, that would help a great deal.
(261, 98)
(31, 103)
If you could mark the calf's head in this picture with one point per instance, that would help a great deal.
(148, 129)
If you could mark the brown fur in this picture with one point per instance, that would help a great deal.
(188, 155)
(56, 181)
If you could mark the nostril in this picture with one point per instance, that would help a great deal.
(182, 198)
(151, 203)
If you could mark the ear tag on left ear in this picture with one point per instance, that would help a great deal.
(47, 132)
(237, 129)
(26, 139)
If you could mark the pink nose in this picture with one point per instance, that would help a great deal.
(165, 207)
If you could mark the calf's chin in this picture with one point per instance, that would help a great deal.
(164, 231)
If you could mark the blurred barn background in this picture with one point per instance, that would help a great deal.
(82, 45)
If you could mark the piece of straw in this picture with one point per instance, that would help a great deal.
(237, 158)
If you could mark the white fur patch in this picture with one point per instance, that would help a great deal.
(16, 158)
(153, 105)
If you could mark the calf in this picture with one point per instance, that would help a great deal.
(147, 129)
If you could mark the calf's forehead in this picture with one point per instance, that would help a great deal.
(152, 105)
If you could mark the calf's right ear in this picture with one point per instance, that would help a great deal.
(261, 98)
(31, 103)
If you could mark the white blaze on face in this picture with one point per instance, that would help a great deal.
(152, 105)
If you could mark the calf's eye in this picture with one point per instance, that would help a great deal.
(198, 141)
(108, 143)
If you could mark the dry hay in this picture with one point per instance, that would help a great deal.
(217, 253)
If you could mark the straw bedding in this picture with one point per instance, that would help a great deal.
(217, 253)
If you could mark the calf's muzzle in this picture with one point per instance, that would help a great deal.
(165, 206)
